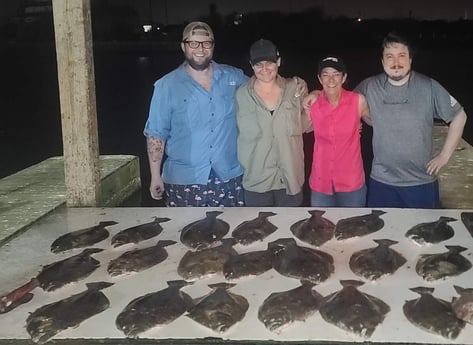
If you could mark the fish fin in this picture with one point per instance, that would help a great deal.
(98, 285)
(107, 223)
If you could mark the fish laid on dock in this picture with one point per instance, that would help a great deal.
(82, 238)
(301, 263)
(206, 232)
(248, 264)
(374, 263)
(52, 277)
(431, 232)
(443, 265)
(467, 220)
(359, 225)
(281, 309)
(49, 320)
(136, 234)
(432, 314)
(463, 306)
(138, 260)
(254, 230)
(315, 230)
(204, 263)
(352, 310)
(220, 309)
(154, 309)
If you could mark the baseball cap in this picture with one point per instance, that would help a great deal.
(197, 28)
(334, 62)
(263, 50)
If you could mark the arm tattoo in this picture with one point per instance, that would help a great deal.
(155, 149)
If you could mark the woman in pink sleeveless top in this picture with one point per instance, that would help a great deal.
(337, 177)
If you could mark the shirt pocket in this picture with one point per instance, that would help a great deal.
(292, 118)
(249, 129)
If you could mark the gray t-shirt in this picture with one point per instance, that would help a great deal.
(403, 119)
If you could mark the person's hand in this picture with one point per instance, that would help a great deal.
(301, 87)
(310, 99)
(437, 163)
(156, 187)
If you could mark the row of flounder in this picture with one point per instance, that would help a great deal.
(309, 265)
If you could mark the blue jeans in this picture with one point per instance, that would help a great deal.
(421, 196)
(356, 198)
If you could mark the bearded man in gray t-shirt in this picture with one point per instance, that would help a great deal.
(403, 105)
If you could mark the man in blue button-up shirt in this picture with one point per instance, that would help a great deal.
(192, 118)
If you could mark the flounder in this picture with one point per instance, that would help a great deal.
(139, 233)
(204, 233)
(254, 230)
(220, 309)
(52, 277)
(463, 305)
(207, 262)
(301, 263)
(432, 314)
(154, 309)
(49, 320)
(359, 225)
(248, 264)
(443, 265)
(467, 220)
(82, 238)
(281, 309)
(352, 310)
(315, 230)
(373, 263)
(431, 232)
(138, 260)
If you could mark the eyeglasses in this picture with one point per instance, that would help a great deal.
(197, 44)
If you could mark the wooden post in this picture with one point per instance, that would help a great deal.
(72, 26)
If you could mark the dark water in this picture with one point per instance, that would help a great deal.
(30, 129)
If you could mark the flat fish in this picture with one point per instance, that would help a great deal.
(374, 263)
(220, 309)
(49, 320)
(463, 306)
(254, 230)
(248, 264)
(52, 277)
(138, 260)
(359, 225)
(154, 309)
(443, 265)
(204, 233)
(82, 238)
(431, 232)
(315, 230)
(432, 314)
(301, 263)
(467, 220)
(139, 233)
(352, 310)
(281, 309)
(207, 262)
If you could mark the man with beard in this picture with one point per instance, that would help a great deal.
(403, 105)
(192, 119)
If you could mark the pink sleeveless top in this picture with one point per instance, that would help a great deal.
(337, 163)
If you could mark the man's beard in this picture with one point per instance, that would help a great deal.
(199, 66)
(398, 77)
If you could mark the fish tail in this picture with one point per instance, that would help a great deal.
(107, 223)
(213, 214)
(90, 251)
(266, 214)
(377, 212)
(422, 290)
(351, 282)
(385, 242)
(447, 219)
(161, 220)
(179, 283)
(98, 285)
(225, 286)
(316, 213)
(165, 243)
(455, 249)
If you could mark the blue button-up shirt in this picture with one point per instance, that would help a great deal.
(199, 127)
